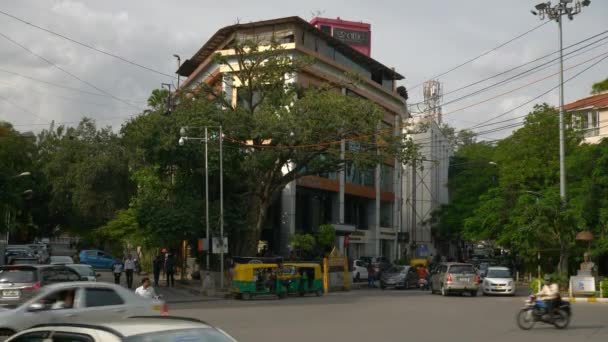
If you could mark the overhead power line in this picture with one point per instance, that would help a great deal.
(483, 54)
(87, 45)
(58, 85)
(22, 108)
(67, 72)
(528, 63)
(528, 72)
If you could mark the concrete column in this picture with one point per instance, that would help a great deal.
(342, 175)
(288, 215)
(377, 210)
(342, 181)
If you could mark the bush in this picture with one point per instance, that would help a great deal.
(534, 288)
(326, 237)
(604, 287)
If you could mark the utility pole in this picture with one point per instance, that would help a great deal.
(414, 214)
(221, 212)
(207, 199)
(557, 12)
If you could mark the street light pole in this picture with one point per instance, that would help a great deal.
(221, 212)
(557, 12)
(207, 198)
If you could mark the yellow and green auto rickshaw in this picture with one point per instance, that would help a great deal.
(307, 278)
(255, 279)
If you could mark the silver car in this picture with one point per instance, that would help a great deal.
(86, 271)
(134, 329)
(454, 277)
(498, 280)
(77, 302)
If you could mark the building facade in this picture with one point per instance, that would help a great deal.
(360, 204)
(590, 116)
(425, 185)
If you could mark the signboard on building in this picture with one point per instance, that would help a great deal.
(351, 36)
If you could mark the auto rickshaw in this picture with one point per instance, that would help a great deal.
(256, 279)
(308, 278)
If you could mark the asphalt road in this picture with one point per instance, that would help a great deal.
(375, 315)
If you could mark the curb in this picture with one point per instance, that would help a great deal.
(587, 300)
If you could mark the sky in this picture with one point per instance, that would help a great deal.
(421, 39)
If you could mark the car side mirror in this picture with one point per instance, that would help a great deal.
(98, 275)
(36, 307)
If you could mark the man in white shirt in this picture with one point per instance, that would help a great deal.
(129, 269)
(145, 290)
(549, 294)
(117, 270)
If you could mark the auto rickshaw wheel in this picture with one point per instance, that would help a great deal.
(247, 296)
(282, 295)
(318, 293)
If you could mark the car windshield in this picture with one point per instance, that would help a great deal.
(184, 335)
(397, 269)
(83, 270)
(499, 274)
(462, 269)
(61, 259)
(17, 275)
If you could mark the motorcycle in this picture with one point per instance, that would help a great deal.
(423, 284)
(535, 311)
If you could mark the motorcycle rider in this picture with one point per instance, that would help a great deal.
(550, 295)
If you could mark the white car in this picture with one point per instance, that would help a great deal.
(135, 329)
(498, 281)
(78, 302)
(359, 270)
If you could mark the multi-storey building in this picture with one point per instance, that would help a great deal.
(590, 115)
(359, 203)
(425, 185)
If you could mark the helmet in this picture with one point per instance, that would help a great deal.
(547, 278)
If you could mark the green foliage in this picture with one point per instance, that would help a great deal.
(304, 243)
(604, 287)
(535, 285)
(599, 87)
(326, 237)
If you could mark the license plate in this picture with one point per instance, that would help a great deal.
(11, 293)
(156, 307)
(500, 287)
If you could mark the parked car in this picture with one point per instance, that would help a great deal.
(455, 278)
(97, 259)
(498, 280)
(12, 252)
(399, 277)
(86, 272)
(145, 328)
(78, 302)
(24, 261)
(60, 260)
(380, 264)
(21, 282)
(359, 270)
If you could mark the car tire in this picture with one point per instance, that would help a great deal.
(473, 293)
(443, 291)
(382, 286)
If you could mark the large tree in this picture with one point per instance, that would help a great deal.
(599, 87)
(284, 132)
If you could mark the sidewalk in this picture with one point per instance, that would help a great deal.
(183, 292)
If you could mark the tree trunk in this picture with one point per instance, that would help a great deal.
(255, 222)
(564, 255)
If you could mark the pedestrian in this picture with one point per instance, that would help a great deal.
(145, 290)
(371, 275)
(117, 271)
(129, 269)
(157, 265)
(170, 270)
(76, 258)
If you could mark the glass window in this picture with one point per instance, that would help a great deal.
(462, 269)
(190, 335)
(71, 337)
(16, 275)
(499, 274)
(102, 297)
(92, 254)
(59, 300)
(36, 336)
